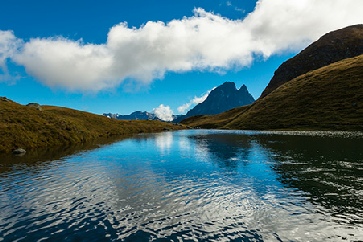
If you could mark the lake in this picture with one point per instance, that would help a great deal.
(191, 185)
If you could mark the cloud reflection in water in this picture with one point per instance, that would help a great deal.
(211, 185)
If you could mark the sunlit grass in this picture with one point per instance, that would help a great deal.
(29, 128)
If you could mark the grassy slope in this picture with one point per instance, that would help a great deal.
(332, 47)
(215, 121)
(330, 98)
(29, 128)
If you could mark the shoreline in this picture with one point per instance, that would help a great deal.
(32, 128)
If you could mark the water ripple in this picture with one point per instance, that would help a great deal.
(115, 193)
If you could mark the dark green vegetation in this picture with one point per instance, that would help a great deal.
(31, 128)
(330, 98)
(321, 88)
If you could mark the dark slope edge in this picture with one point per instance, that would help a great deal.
(332, 47)
(330, 98)
(29, 128)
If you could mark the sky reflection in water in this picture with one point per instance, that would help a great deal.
(205, 185)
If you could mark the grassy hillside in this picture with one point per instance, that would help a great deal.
(215, 121)
(29, 128)
(332, 47)
(330, 98)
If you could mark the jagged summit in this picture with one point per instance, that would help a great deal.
(223, 98)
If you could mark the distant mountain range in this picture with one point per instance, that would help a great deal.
(220, 99)
(137, 115)
(321, 88)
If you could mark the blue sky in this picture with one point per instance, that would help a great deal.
(122, 56)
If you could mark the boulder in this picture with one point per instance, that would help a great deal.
(35, 105)
(19, 151)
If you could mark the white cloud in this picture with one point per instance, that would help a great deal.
(9, 44)
(205, 41)
(186, 106)
(70, 64)
(164, 113)
(281, 25)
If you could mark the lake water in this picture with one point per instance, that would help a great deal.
(194, 185)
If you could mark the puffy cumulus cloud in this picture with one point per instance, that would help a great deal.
(282, 25)
(186, 106)
(71, 64)
(164, 113)
(205, 41)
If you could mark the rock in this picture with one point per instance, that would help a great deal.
(221, 99)
(35, 105)
(19, 151)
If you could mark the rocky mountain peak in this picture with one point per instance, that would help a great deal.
(243, 89)
(228, 86)
(223, 98)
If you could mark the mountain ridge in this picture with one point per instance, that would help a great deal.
(222, 98)
(331, 47)
(302, 103)
(136, 115)
(327, 98)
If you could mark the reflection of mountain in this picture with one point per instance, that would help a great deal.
(228, 149)
(329, 169)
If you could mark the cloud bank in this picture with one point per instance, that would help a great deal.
(205, 41)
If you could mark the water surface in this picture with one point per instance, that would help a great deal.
(192, 185)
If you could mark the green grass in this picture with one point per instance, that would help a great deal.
(330, 98)
(29, 128)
